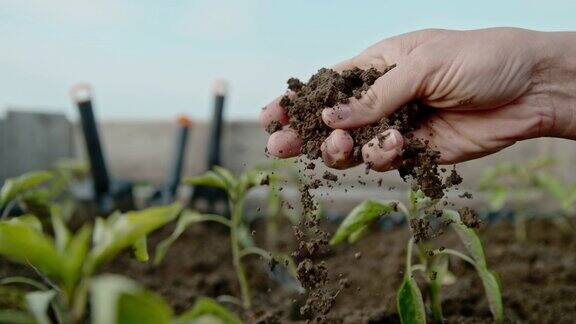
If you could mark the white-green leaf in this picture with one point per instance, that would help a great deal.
(117, 299)
(74, 255)
(12, 316)
(61, 232)
(142, 307)
(38, 303)
(28, 220)
(410, 303)
(497, 197)
(187, 218)
(22, 242)
(209, 179)
(14, 186)
(493, 292)
(361, 216)
(467, 235)
(207, 310)
(226, 175)
(551, 185)
(124, 231)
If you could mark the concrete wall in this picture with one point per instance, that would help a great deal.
(33, 141)
(141, 151)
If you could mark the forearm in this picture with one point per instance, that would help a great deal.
(559, 76)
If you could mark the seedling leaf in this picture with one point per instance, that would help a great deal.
(360, 217)
(497, 197)
(493, 290)
(187, 218)
(410, 303)
(21, 241)
(14, 186)
(142, 307)
(38, 303)
(226, 175)
(74, 255)
(117, 234)
(116, 299)
(12, 316)
(467, 235)
(210, 179)
(204, 310)
(61, 232)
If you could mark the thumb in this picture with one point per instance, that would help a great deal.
(392, 90)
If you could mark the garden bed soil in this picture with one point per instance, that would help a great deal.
(538, 277)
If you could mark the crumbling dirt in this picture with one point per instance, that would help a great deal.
(419, 162)
(328, 88)
(469, 217)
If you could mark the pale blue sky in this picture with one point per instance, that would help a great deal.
(156, 59)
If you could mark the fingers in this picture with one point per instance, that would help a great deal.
(284, 144)
(392, 90)
(337, 150)
(382, 152)
(274, 112)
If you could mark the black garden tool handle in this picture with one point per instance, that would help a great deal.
(177, 164)
(209, 199)
(82, 96)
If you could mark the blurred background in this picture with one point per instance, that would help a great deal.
(149, 62)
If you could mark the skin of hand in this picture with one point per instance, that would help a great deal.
(487, 90)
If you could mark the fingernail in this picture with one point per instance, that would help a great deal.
(331, 146)
(388, 141)
(339, 113)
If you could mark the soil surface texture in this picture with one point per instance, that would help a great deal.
(538, 276)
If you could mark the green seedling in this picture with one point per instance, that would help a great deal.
(240, 240)
(67, 262)
(116, 299)
(515, 184)
(433, 262)
(35, 191)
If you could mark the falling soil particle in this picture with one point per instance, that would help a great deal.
(469, 217)
(466, 195)
(420, 229)
(328, 88)
(329, 176)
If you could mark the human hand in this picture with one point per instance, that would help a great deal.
(487, 88)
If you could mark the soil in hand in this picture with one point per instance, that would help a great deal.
(328, 88)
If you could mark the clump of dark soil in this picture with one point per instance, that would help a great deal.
(469, 217)
(328, 88)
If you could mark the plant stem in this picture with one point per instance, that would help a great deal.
(8, 209)
(237, 209)
(434, 285)
(520, 223)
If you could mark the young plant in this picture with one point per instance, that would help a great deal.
(515, 184)
(433, 263)
(34, 192)
(116, 299)
(67, 262)
(240, 241)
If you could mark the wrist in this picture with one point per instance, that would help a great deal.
(557, 75)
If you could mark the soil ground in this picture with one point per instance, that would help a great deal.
(539, 276)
